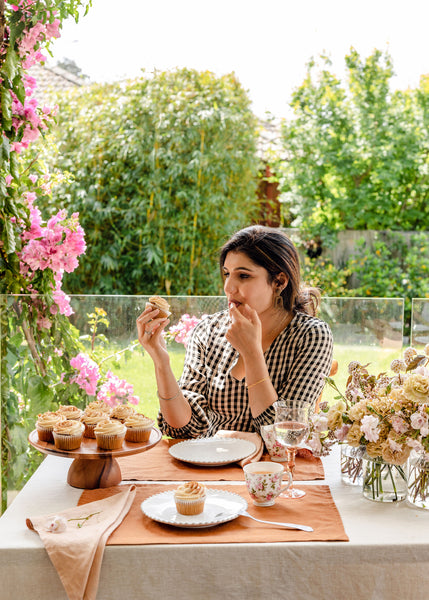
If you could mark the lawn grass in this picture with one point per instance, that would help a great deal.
(139, 371)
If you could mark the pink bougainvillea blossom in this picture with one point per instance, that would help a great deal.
(182, 331)
(55, 246)
(117, 391)
(88, 373)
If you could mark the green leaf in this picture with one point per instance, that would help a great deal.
(10, 64)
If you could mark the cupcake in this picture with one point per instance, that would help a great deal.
(162, 305)
(90, 418)
(138, 428)
(190, 497)
(45, 425)
(110, 434)
(68, 434)
(122, 412)
(70, 412)
(99, 405)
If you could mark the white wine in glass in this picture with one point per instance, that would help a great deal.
(291, 428)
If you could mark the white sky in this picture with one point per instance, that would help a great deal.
(267, 44)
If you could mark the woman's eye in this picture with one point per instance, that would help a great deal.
(244, 276)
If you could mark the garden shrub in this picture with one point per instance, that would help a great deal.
(162, 170)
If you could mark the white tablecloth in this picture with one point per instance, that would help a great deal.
(387, 555)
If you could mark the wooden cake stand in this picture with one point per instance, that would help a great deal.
(93, 467)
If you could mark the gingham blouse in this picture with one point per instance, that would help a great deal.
(296, 361)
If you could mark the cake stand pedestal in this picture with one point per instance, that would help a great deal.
(93, 467)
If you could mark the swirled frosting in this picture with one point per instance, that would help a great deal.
(69, 427)
(109, 427)
(98, 405)
(161, 304)
(138, 421)
(69, 411)
(49, 419)
(91, 416)
(122, 412)
(191, 490)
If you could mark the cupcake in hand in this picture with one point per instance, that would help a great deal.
(190, 498)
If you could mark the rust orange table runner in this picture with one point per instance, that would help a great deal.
(158, 465)
(317, 509)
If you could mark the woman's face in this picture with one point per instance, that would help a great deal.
(245, 282)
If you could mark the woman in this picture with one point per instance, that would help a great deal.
(267, 346)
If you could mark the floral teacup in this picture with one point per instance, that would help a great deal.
(276, 451)
(264, 481)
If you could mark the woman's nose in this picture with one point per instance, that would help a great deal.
(229, 286)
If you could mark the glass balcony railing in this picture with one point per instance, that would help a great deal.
(34, 366)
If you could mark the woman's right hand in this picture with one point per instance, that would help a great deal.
(149, 332)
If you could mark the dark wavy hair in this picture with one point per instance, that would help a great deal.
(272, 249)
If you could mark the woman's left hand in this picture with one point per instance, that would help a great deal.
(245, 331)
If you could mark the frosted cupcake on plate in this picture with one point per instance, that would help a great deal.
(138, 428)
(45, 425)
(90, 418)
(190, 498)
(68, 434)
(110, 434)
(122, 412)
(70, 412)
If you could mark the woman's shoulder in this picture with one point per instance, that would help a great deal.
(305, 322)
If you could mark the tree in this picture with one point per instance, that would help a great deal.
(162, 170)
(357, 153)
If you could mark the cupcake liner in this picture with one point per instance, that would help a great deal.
(138, 434)
(67, 442)
(89, 430)
(108, 441)
(45, 434)
(190, 507)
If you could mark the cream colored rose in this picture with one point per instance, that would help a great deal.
(416, 388)
(374, 449)
(354, 435)
(358, 410)
(396, 455)
(335, 415)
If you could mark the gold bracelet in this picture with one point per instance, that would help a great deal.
(168, 399)
(256, 382)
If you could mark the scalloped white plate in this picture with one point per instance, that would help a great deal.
(220, 506)
(212, 451)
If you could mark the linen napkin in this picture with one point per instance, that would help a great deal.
(250, 437)
(75, 539)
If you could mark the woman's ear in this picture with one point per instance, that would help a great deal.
(281, 281)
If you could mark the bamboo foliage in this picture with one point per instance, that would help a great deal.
(162, 170)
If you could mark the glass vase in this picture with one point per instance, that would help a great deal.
(418, 481)
(351, 464)
(382, 481)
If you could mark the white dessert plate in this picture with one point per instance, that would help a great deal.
(212, 451)
(220, 506)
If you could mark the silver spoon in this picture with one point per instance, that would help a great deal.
(290, 525)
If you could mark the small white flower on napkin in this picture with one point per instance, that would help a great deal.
(56, 525)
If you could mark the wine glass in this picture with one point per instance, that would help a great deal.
(291, 428)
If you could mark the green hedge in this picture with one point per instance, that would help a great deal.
(162, 170)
